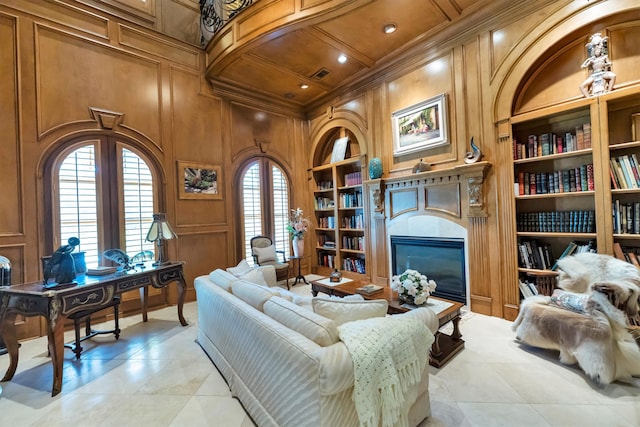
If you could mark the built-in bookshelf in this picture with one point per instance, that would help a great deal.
(554, 186)
(577, 181)
(339, 214)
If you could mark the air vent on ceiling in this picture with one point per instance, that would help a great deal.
(321, 73)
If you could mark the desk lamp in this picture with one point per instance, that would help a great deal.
(160, 230)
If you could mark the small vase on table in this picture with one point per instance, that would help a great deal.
(298, 247)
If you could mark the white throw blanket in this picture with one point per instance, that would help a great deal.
(389, 356)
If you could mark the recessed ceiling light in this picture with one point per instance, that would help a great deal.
(390, 28)
(304, 86)
(342, 58)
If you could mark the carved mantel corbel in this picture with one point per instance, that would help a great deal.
(475, 180)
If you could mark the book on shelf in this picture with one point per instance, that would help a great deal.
(528, 289)
(369, 289)
(575, 247)
(618, 252)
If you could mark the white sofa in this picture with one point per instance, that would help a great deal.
(277, 368)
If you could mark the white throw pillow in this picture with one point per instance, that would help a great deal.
(318, 329)
(265, 254)
(251, 293)
(254, 276)
(242, 268)
(342, 311)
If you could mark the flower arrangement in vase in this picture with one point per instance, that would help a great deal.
(297, 227)
(413, 287)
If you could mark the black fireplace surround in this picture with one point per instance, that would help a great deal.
(440, 259)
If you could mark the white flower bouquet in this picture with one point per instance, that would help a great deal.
(413, 287)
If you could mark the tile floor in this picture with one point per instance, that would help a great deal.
(157, 375)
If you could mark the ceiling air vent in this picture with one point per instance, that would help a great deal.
(321, 73)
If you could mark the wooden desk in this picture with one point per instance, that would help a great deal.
(444, 347)
(32, 299)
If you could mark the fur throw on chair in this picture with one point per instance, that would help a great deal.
(598, 337)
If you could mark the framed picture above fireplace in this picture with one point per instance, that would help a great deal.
(420, 126)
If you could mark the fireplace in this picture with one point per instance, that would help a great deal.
(440, 259)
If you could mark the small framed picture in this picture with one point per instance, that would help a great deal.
(420, 126)
(199, 181)
(339, 149)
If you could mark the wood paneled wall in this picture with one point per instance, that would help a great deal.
(58, 61)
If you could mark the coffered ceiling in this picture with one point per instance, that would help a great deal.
(273, 48)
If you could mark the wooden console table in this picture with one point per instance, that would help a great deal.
(444, 347)
(55, 305)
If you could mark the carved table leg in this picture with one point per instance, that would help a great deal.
(181, 292)
(456, 335)
(144, 299)
(55, 329)
(8, 332)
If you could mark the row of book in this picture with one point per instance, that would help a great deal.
(350, 200)
(631, 255)
(327, 222)
(354, 264)
(624, 172)
(354, 221)
(527, 288)
(325, 185)
(355, 243)
(326, 259)
(534, 254)
(561, 181)
(582, 221)
(353, 178)
(323, 203)
(626, 217)
(326, 241)
(550, 143)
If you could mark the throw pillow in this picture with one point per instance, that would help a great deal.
(222, 278)
(342, 311)
(318, 329)
(254, 276)
(251, 293)
(265, 254)
(242, 268)
(569, 300)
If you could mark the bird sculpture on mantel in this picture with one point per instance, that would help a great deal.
(474, 155)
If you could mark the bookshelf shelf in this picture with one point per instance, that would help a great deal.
(533, 234)
(556, 195)
(624, 145)
(627, 236)
(352, 251)
(552, 157)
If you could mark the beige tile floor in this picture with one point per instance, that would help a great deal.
(157, 375)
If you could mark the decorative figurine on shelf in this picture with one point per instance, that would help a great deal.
(474, 155)
(421, 167)
(335, 276)
(61, 266)
(602, 78)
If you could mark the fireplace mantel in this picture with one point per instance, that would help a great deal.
(456, 194)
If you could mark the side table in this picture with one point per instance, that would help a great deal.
(299, 277)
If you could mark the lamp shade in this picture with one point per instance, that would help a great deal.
(160, 229)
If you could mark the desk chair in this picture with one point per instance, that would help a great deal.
(264, 253)
(89, 332)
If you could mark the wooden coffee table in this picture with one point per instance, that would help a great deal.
(444, 347)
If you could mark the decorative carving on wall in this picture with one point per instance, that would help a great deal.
(262, 144)
(378, 201)
(105, 118)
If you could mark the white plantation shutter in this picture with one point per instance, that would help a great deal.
(259, 177)
(280, 209)
(79, 202)
(252, 207)
(137, 183)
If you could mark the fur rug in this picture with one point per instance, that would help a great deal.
(598, 338)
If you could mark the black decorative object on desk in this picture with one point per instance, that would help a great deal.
(61, 266)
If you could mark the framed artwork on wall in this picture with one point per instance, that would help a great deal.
(199, 181)
(420, 126)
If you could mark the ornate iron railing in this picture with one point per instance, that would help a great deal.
(215, 13)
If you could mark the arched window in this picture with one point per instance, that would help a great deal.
(265, 204)
(102, 191)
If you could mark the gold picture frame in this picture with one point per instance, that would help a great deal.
(199, 181)
(420, 126)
